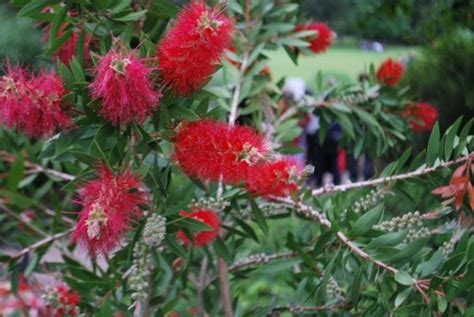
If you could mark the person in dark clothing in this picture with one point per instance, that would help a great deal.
(324, 156)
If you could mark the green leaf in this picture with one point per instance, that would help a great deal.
(15, 277)
(131, 16)
(291, 54)
(450, 137)
(293, 245)
(259, 217)
(106, 309)
(367, 220)
(16, 173)
(193, 224)
(463, 138)
(402, 296)
(292, 41)
(433, 146)
(442, 304)
(409, 250)
(57, 22)
(403, 159)
(248, 229)
(221, 250)
(428, 267)
(174, 246)
(77, 70)
(85, 158)
(388, 239)
(279, 265)
(355, 287)
(34, 6)
(179, 112)
(403, 278)
(164, 9)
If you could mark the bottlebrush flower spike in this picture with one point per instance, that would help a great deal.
(32, 103)
(109, 204)
(188, 54)
(126, 91)
(207, 216)
(420, 115)
(390, 72)
(209, 150)
(322, 40)
(275, 178)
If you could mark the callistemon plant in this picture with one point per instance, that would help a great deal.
(109, 204)
(154, 170)
(123, 83)
(194, 45)
(212, 150)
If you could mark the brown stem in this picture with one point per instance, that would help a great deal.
(383, 180)
(224, 287)
(314, 214)
(200, 286)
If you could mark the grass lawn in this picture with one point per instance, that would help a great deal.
(345, 62)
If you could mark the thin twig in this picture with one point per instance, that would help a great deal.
(300, 309)
(26, 223)
(40, 243)
(383, 180)
(236, 96)
(9, 157)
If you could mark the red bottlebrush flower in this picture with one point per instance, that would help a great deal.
(109, 203)
(209, 150)
(67, 296)
(188, 54)
(390, 72)
(420, 115)
(61, 301)
(274, 178)
(126, 91)
(322, 40)
(207, 216)
(68, 49)
(31, 103)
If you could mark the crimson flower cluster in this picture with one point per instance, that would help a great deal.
(32, 103)
(123, 84)
(323, 38)
(204, 215)
(188, 55)
(278, 178)
(420, 115)
(109, 203)
(210, 150)
(65, 303)
(390, 72)
(215, 151)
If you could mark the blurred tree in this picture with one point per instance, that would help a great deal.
(444, 75)
(409, 21)
(20, 41)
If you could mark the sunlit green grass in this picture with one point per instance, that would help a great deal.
(344, 62)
